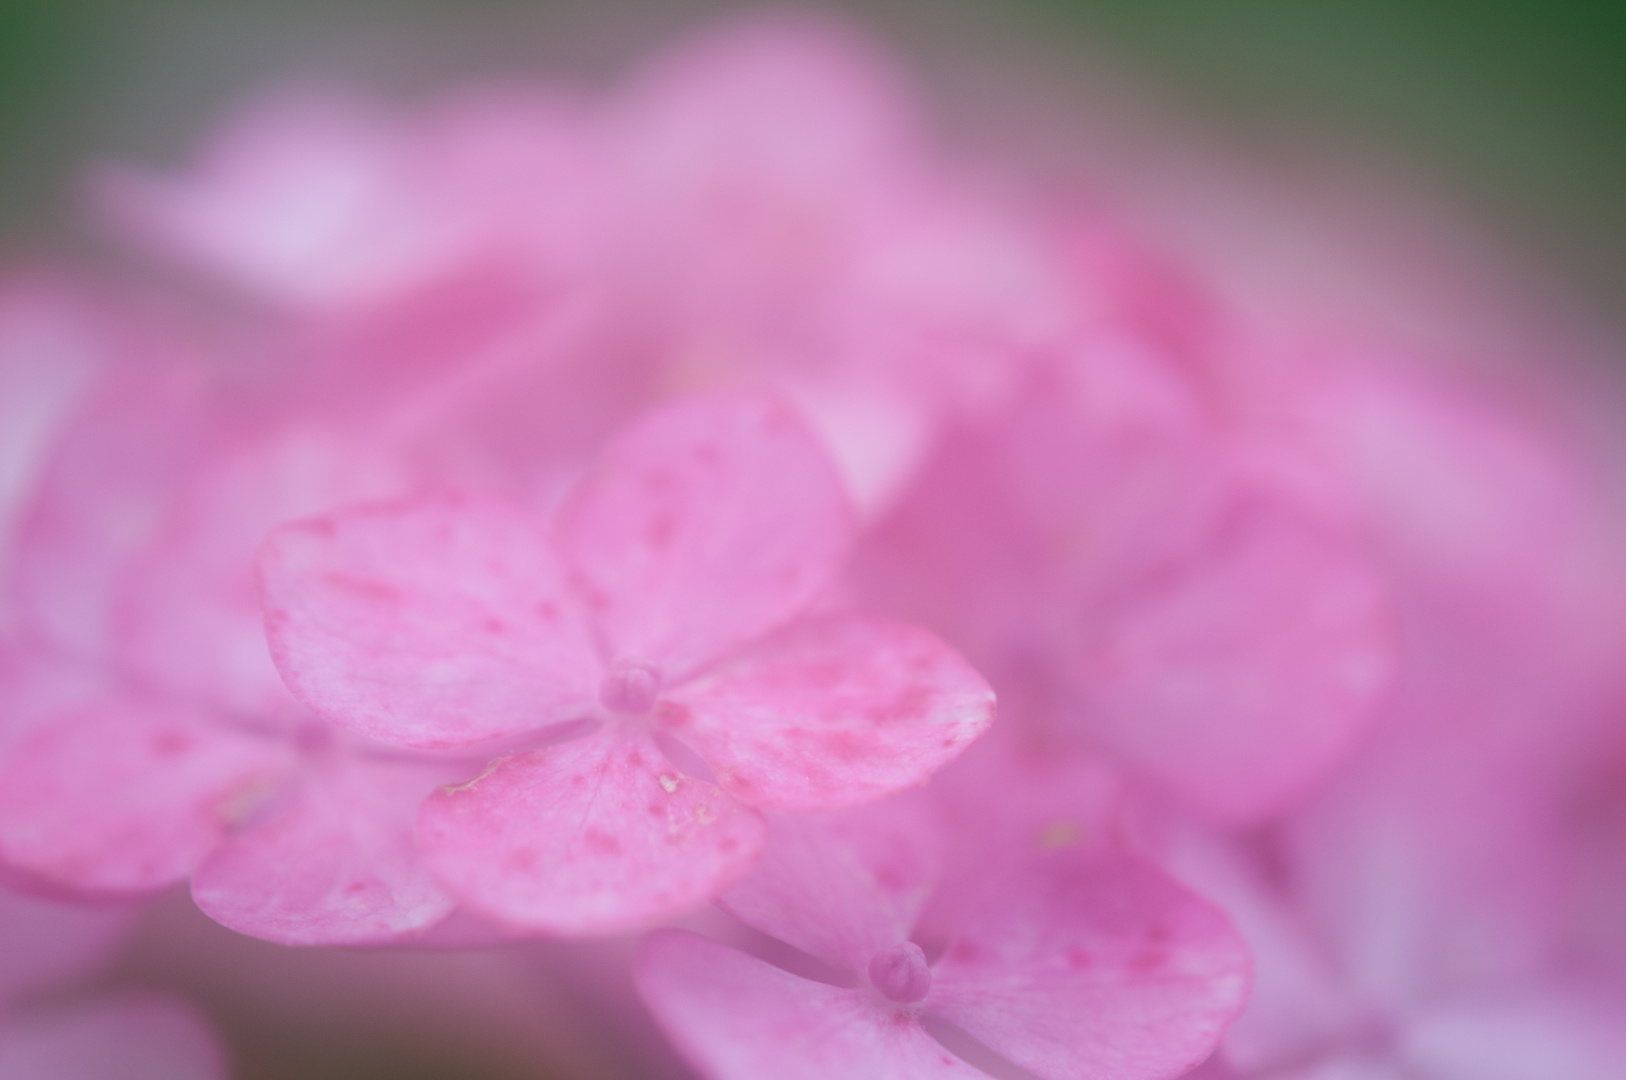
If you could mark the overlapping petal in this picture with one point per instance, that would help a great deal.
(830, 712)
(430, 622)
(337, 864)
(705, 525)
(112, 797)
(737, 1018)
(1241, 677)
(1099, 964)
(597, 835)
(844, 887)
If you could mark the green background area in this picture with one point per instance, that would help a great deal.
(1519, 105)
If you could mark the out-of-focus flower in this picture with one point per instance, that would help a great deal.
(1081, 961)
(1273, 595)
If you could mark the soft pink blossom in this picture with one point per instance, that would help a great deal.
(1075, 962)
(667, 598)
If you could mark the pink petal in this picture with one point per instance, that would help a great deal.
(52, 341)
(1049, 801)
(190, 617)
(433, 622)
(734, 1017)
(845, 886)
(1241, 678)
(597, 835)
(707, 524)
(1297, 1005)
(1097, 965)
(101, 498)
(338, 866)
(309, 199)
(1429, 868)
(118, 798)
(831, 711)
(137, 1039)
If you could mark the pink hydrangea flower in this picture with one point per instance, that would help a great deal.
(1409, 929)
(1409, 918)
(1146, 582)
(1083, 961)
(669, 597)
(145, 737)
(1235, 571)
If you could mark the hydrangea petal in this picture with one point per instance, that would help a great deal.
(830, 712)
(116, 798)
(736, 1018)
(190, 616)
(100, 498)
(1297, 1005)
(597, 835)
(1428, 868)
(339, 865)
(431, 622)
(136, 1039)
(1242, 678)
(844, 886)
(705, 525)
(51, 343)
(1094, 965)
(308, 200)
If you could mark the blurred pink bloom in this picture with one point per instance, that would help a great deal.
(668, 598)
(1273, 591)
(147, 737)
(1139, 579)
(1079, 962)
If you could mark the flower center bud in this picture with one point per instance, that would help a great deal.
(630, 686)
(901, 973)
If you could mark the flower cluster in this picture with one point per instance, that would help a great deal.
(548, 514)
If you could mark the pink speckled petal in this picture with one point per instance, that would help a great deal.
(598, 835)
(132, 1039)
(338, 865)
(1241, 679)
(734, 1017)
(844, 886)
(434, 622)
(705, 525)
(117, 798)
(831, 712)
(1088, 965)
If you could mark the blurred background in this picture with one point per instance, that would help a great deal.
(1514, 111)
